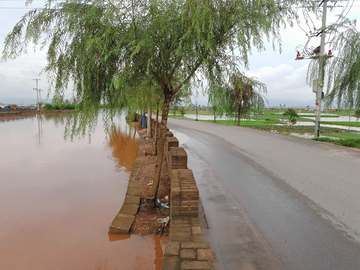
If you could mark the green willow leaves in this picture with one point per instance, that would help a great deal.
(108, 48)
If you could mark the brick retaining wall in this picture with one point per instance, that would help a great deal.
(185, 249)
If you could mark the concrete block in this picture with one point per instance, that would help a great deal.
(178, 158)
(198, 265)
(203, 245)
(130, 209)
(169, 134)
(197, 238)
(132, 199)
(204, 255)
(171, 263)
(195, 230)
(180, 236)
(175, 191)
(132, 191)
(172, 142)
(188, 213)
(121, 224)
(188, 254)
(172, 248)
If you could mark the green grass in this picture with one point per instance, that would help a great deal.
(313, 115)
(199, 112)
(300, 129)
(346, 142)
(243, 123)
(62, 106)
(342, 135)
(277, 117)
(351, 124)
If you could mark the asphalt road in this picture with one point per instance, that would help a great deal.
(273, 201)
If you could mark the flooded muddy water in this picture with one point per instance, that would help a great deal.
(58, 198)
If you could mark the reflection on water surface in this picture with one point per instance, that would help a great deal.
(124, 148)
(59, 197)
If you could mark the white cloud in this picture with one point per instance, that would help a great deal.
(285, 83)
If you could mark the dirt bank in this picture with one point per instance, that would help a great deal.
(146, 219)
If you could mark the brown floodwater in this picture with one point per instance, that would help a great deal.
(58, 198)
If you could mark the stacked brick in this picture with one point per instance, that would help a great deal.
(185, 250)
(188, 255)
(184, 194)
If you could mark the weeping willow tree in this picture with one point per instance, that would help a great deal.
(244, 93)
(105, 46)
(343, 71)
(217, 99)
(238, 97)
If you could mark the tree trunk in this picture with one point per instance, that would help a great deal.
(238, 123)
(214, 116)
(151, 126)
(160, 151)
(156, 127)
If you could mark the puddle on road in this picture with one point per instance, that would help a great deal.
(58, 198)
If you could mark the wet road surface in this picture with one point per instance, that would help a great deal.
(272, 201)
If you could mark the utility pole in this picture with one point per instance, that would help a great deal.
(318, 53)
(37, 92)
(320, 81)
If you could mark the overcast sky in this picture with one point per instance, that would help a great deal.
(284, 77)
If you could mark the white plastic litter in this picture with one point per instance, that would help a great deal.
(163, 221)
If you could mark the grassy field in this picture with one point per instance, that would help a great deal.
(243, 123)
(300, 129)
(343, 142)
(273, 122)
(343, 135)
(276, 117)
(349, 124)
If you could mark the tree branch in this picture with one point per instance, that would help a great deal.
(199, 62)
(178, 62)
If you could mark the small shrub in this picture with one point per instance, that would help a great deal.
(291, 114)
(48, 107)
(59, 106)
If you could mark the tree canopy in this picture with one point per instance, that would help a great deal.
(344, 71)
(107, 47)
(291, 114)
(243, 94)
